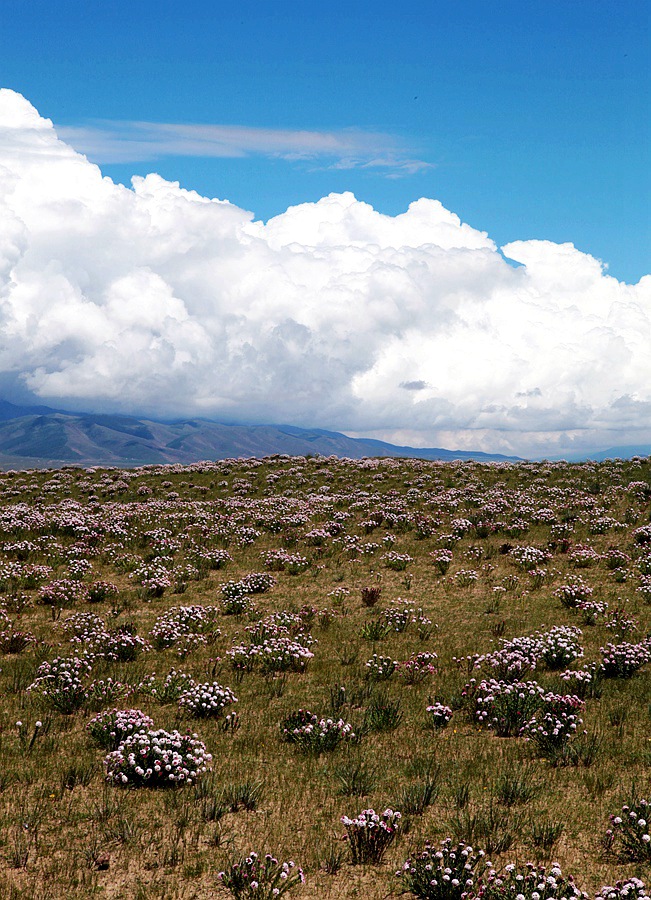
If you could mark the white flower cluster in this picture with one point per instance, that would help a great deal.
(157, 758)
(207, 700)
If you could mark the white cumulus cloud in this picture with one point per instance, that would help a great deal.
(414, 328)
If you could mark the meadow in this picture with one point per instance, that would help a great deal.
(199, 663)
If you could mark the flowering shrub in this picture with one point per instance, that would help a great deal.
(255, 583)
(514, 658)
(370, 834)
(450, 872)
(105, 691)
(238, 605)
(168, 689)
(417, 668)
(279, 654)
(642, 535)
(583, 557)
(317, 537)
(439, 715)
(623, 660)
(120, 644)
(584, 682)
(629, 834)
(207, 700)
(591, 610)
(12, 640)
(180, 622)
(460, 527)
(283, 561)
(396, 561)
(281, 624)
(616, 558)
(529, 882)
(399, 618)
(442, 559)
(620, 622)
(63, 593)
(574, 592)
(631, 889)
(78, 568)
(527, 558)
(110, 728)
(313, 735)
(644, 588)
(255, 879)
(504, 707)
(210, 558)
(379, 668)
(552, 726)
(466, 577)
(100, 591)
(58, 684)
(158, 759)
(154, 577)
(538, 577)
(560, 646)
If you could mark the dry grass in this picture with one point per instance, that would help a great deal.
(66, 833)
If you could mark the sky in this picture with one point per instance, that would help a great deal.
(437, 227)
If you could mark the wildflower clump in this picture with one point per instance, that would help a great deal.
(417, 668)
(449, 872)
(574, 592)
(157, 759)
(185, 628)
(629, 835)
(370, 834)
(59, 684)
(313, 735)
(380, 668)
(396, 561)
(439, 715)
(560, 646)
(168, 689)
(62, 593)
(529, 882)
(624, 659)
(253, 878)
(207, 700)
(110, 728)
(504, 707)
(631, 889)
(552, 726)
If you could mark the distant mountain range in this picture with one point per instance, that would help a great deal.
(38, 436)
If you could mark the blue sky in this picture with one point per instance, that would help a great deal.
(420, 198)
(528, 120)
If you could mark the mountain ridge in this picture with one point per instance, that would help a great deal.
(40, 436)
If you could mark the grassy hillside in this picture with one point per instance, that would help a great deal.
(361, 591)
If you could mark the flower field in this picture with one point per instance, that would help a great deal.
(326, 678)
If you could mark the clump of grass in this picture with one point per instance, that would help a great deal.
(515, 787)
(245, 795)
(382, 714)
(414, 798)
(355, 777)
(545, 834)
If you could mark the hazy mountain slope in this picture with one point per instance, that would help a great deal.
(122, 440)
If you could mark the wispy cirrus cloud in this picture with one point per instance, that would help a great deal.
(106, 141)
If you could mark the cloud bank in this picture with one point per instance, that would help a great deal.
(415, 328)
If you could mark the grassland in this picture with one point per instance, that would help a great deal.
(328, 531)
